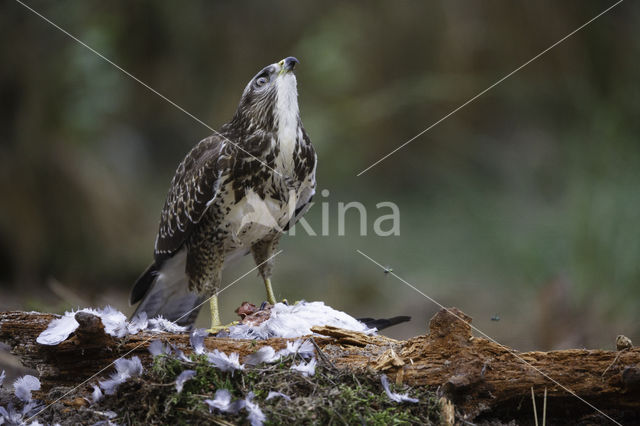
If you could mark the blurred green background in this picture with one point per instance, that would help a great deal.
(524, 205)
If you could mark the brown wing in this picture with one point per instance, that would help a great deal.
(193, 188)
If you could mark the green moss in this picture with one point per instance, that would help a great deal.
(329, 397)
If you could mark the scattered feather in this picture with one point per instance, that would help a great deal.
(224, 362)
(125, 369)
(222, 402)
(161, 324)
(111, 385)
(24, 385)
(114, 321)
(58, 330)
(30, 408)
(2, 376)
(138, 323)
(255, 414)
(264, 354)
(180, 354)
(96, 395)
(157, 348)
(197, 340)
(267, 354)
(304, 349)
(10, 416)
(296, 320)
(132, 367)
(306, 368)
(182, 379)
(397, 397)
(273, 394)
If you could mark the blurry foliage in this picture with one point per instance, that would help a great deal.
(538, 179)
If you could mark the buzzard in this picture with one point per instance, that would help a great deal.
(235, 192)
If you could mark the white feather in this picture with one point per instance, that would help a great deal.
(225, 362)
(9, 415)
(267, 354)
(139, 322)
(304, 349)
(222, 402)
(157, 348)
(160, 324)
(264, 354)
(196, 339)
(125, 369)
(96, 395)
(255, 415)
(183, 378)
(58, 330)
(114, 321)
(397, 397)
(24, 385)
(306, 368)
(273, 394)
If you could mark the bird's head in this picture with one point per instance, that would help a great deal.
(270, 98)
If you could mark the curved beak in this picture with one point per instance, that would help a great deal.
(288, 64)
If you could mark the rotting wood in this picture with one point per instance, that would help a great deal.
(477, 375)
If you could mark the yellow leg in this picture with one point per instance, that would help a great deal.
(216, 324)
(215, 311)
(270, 297)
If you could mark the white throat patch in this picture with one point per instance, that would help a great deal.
(286, 113)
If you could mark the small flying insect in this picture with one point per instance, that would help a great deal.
(388, 269)
(495, 317)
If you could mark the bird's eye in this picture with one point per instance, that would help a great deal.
(261, 81)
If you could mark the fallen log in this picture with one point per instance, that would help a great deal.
(484, 380)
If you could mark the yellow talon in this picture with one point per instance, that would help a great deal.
(215, 329)
(216, 324)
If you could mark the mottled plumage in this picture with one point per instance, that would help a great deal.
(234, 193)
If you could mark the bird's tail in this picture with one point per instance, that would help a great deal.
(384, 322)
(165, 291)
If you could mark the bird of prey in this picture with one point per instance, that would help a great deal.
(234, 193)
